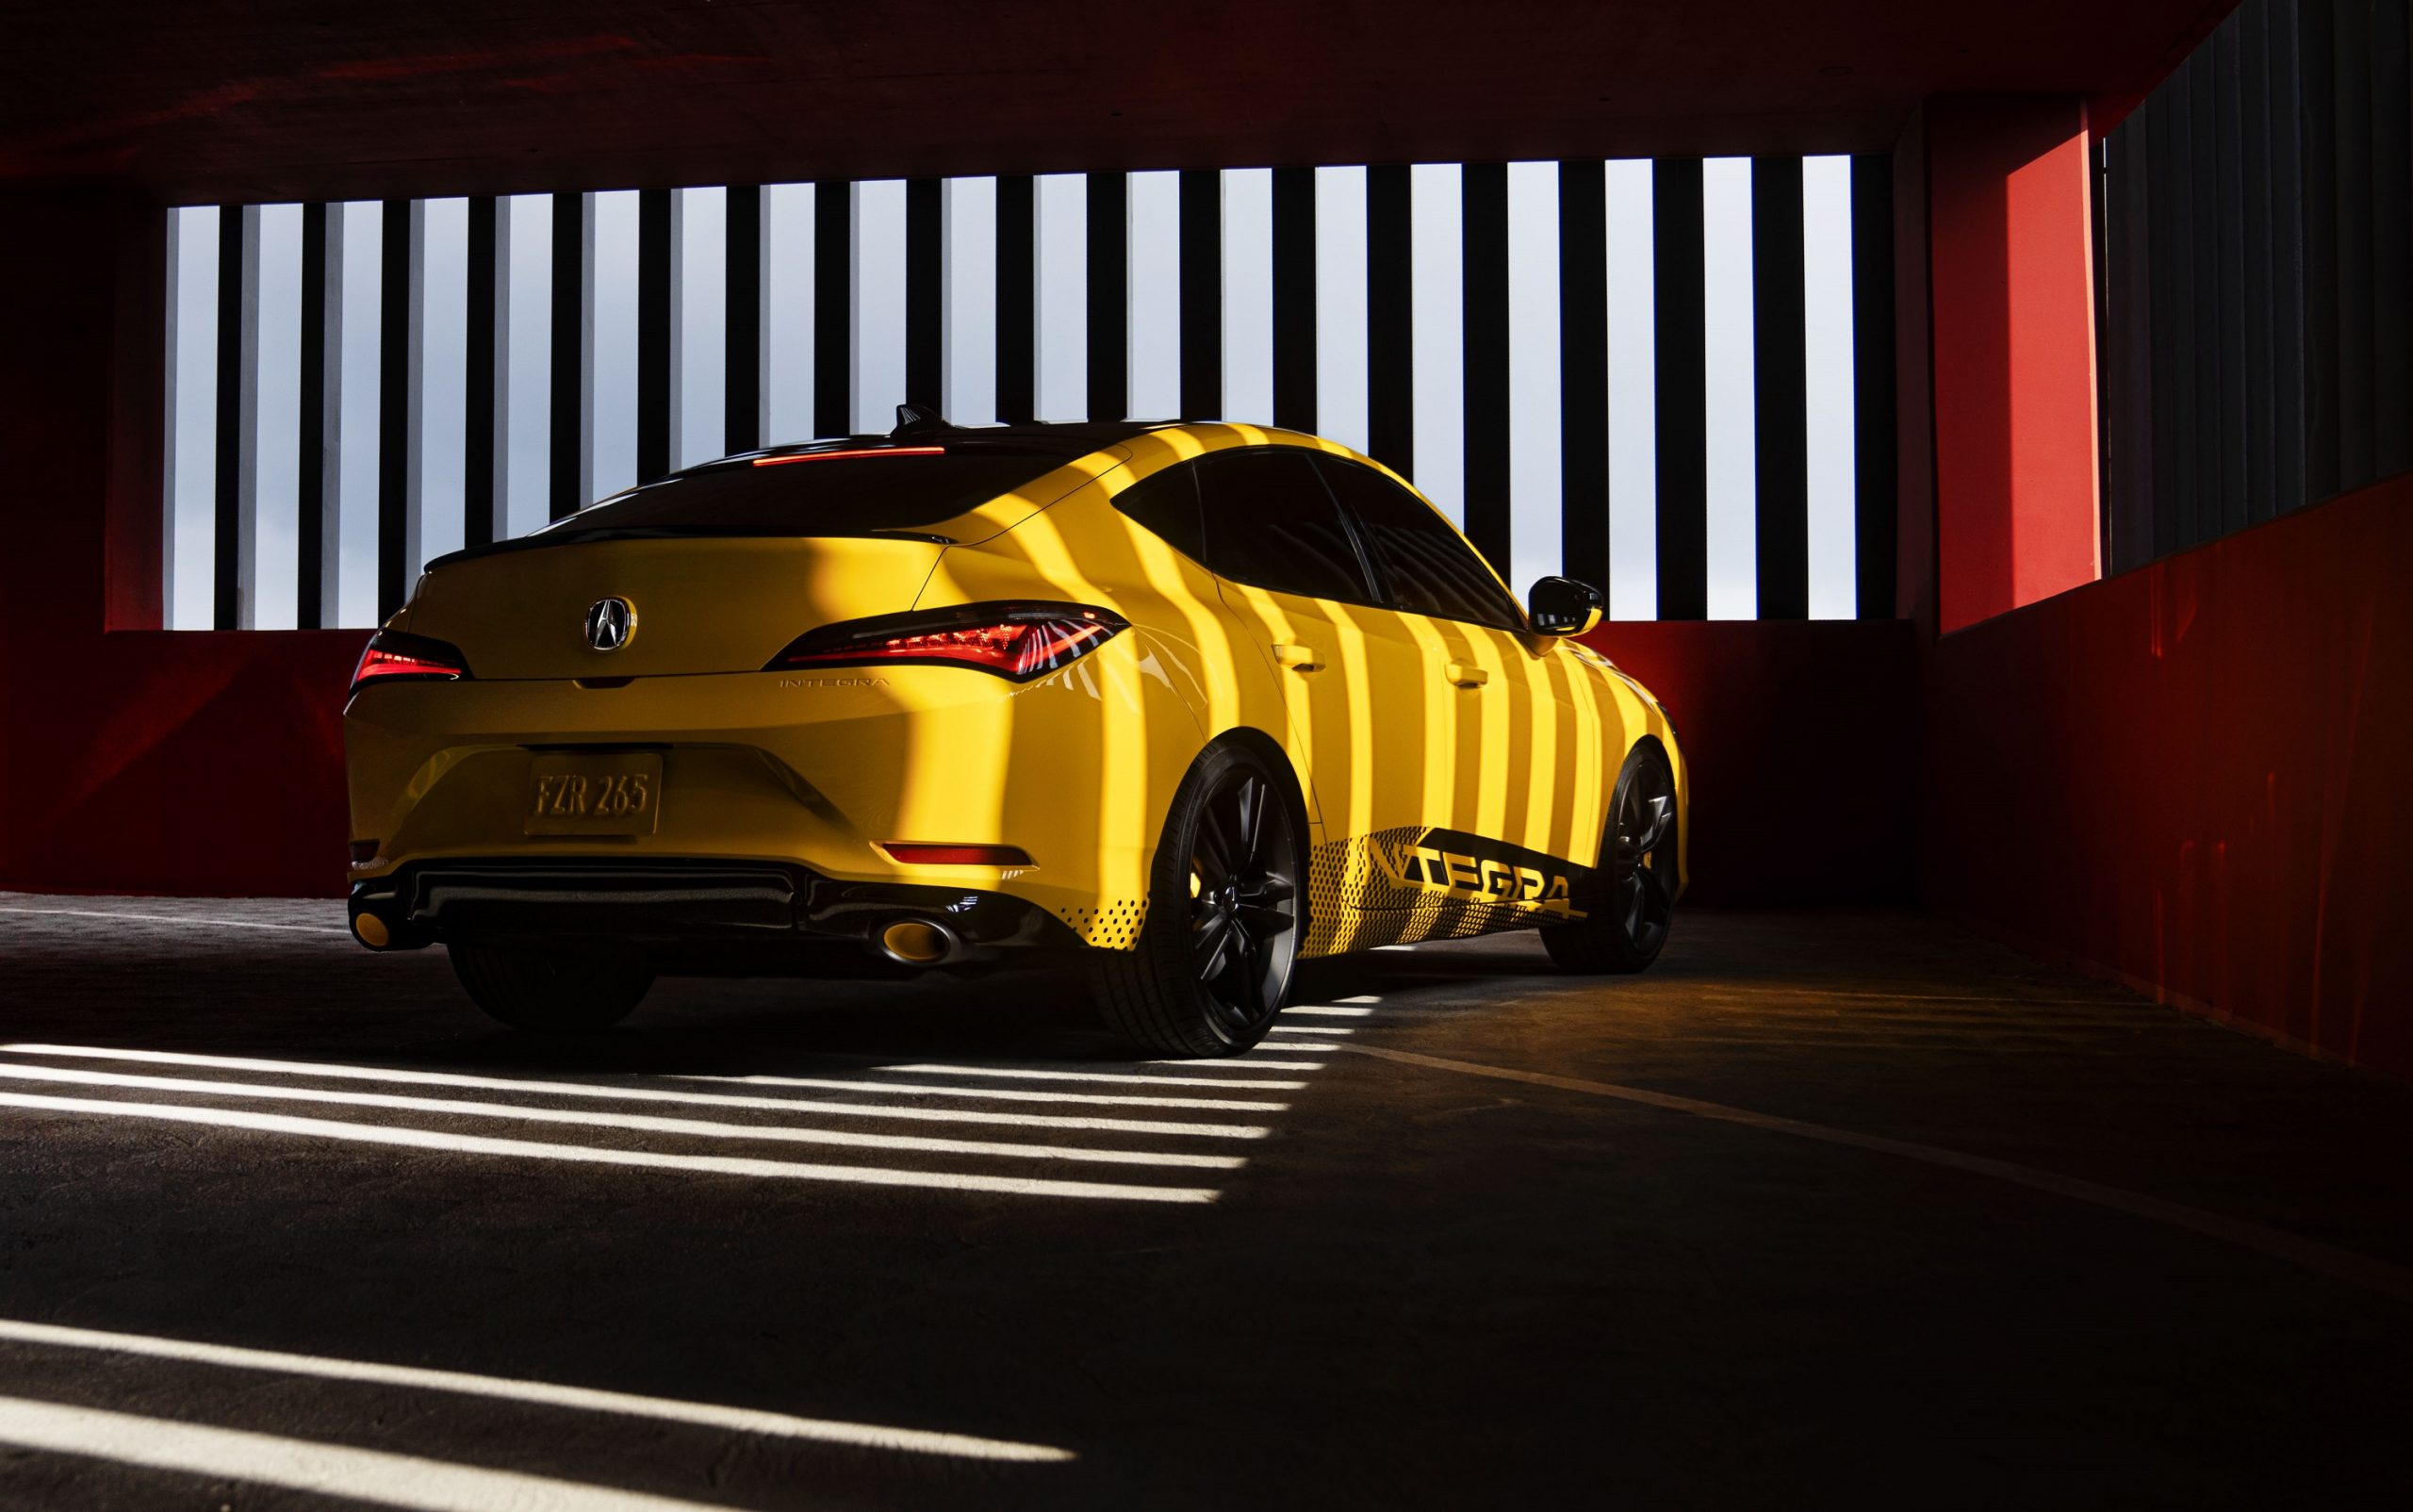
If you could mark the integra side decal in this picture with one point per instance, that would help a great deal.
(1469, 869)
(1395, 886)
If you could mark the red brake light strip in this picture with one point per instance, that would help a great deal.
(380, 663)
(1023, 647)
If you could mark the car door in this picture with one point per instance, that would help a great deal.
(1487, 683)
(1293, 575)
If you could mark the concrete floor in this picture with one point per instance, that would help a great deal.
(1826, 1209)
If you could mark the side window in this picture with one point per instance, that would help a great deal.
(1166, 502)
(1272, 523)
(1430, 567)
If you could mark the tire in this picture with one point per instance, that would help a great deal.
(1213, 965)
(552, 990)
(1625, 929)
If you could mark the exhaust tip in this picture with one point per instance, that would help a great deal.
(918, 942)
(371, 931)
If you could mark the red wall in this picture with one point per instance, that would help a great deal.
(161, 762)
(137, 759)
(2198, 777)
(1797, 740)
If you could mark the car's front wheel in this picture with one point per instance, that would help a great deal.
(554, 991)
(1213, 965)
(1627, 924)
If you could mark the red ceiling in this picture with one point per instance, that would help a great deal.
(199, 100)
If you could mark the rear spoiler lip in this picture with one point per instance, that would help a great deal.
(545, 540)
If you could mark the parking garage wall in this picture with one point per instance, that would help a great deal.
(2189, 777)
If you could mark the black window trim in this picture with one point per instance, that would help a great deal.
(1373, 561)
(1188, 468)
(1370, 561)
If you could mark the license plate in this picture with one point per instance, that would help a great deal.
(610, 795)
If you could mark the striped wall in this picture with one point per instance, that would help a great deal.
(1672, 378)
(2257, 276)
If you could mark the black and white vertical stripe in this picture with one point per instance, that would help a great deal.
(1671, 378)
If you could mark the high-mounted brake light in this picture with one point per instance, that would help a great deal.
(394, 656)
(1015, 641)
(867, 451)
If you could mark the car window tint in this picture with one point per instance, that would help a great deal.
(1272, 523)
(1429, 566)
(900, 489)
(1166, 502)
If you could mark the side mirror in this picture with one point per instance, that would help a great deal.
(1562, 606)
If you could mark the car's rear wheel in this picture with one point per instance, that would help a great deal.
(1213, 961)
(1627, 926)
(552, 989)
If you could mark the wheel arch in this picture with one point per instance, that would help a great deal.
(1650, 740)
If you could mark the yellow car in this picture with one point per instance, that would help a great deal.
(1182, 703)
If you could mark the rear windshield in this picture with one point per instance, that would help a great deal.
(825, 496)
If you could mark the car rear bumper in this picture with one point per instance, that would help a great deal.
(689, 915)
(818, 773)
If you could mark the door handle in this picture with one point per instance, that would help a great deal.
(1298, 658)
(1461, 675)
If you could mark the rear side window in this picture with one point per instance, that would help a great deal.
(1272, 523)
(824, 496)
(1166, 502)
(1429, 567)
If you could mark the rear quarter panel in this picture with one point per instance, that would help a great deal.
(1159, 691)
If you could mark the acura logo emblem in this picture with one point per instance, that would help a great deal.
(610, 623)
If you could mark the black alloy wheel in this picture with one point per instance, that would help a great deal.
(1225, 908)
(1642, 863)
(1244, 901)
(1627, 924)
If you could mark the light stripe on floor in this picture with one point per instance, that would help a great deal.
(1995, 998)
(698, 1129)
(1329, 1011)
(1245, 1061)
(2329, 1261)
(539, 1394)
(1016, 1094)
(369, 1475)
(589, 1155)
(705, 1099)
(1265, 1047)
(1015, 1074)
(169, 918)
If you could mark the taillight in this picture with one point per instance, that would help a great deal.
(1015, 641)
(393, 655)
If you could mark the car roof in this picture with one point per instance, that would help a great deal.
(1072, 437)
(1068, 439)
